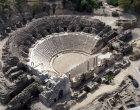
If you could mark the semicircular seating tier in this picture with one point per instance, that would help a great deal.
(23, 39)
(49, 47)
(82, 33)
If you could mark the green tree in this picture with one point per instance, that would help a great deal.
(64, 2)
(86, 5)
(113, 2)
(4, 4)
(37, 87)
(110, 77)
(20, 2)
(37, 7)
(124, 4)
(136, 6)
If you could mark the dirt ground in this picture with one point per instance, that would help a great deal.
(132, 70)
(66, 62)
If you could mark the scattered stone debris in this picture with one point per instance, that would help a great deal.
(135, 56)
(125, 97)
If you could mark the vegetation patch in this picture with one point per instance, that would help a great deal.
(37, 7)
(85, 5)
(37, 87)
(115, 14)
(113, 2)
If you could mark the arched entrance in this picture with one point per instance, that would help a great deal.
(60, 95)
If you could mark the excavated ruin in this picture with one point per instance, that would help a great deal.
(44, 39)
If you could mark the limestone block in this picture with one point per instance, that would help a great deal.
(76, 81)
(88, 75)
(82, 95)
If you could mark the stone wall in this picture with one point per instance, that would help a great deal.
(22, 98)
(56, 89)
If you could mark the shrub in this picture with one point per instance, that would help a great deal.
(125, 4)
(136, 6)
(113, 2)
(4, 4)
(20, 2)
(37, 8)
(115, 14)
(109, 77)
(86, 5)
(37, 87)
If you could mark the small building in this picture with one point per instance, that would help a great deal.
(56, 88)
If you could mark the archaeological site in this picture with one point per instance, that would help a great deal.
(70, 55)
